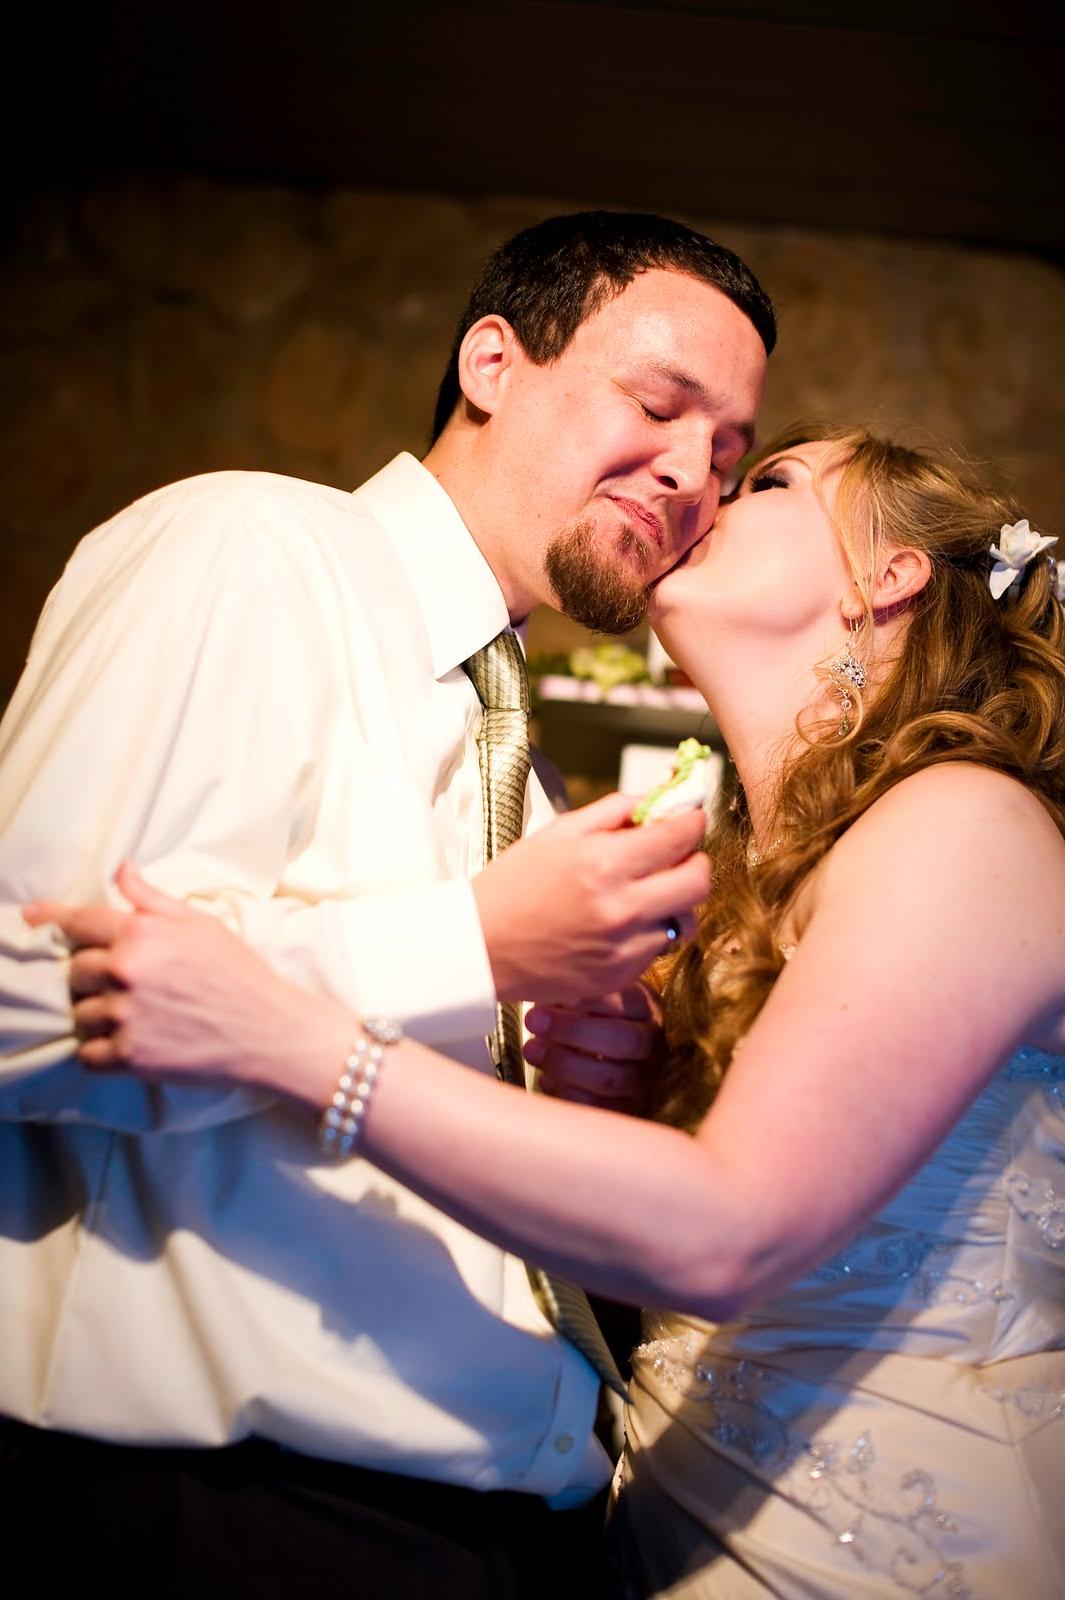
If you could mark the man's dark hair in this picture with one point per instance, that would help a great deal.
(550, 278)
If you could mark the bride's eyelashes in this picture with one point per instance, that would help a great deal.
(767, 480)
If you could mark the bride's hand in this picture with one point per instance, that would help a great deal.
(163, 990)
(598, 1052)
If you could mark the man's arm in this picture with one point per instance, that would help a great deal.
(875, 1039)
(186, 686)
(204, 697)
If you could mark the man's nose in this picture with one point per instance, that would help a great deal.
(685, 468)
(686, 473)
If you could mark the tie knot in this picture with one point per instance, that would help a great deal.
(498, 674)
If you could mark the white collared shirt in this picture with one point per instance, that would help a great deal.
(252, 687)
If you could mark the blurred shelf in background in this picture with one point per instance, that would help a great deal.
(583, 729)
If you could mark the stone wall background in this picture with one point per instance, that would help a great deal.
(151, 329)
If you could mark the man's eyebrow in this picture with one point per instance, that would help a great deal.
(698, 390)
(681, 379)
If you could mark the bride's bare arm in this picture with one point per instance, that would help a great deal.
(936, 944)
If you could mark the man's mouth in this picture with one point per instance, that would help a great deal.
(644, 521)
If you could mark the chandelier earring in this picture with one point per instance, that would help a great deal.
(848, 676)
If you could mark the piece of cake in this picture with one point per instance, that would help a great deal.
(684, 789)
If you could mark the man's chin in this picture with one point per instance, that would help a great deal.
(605, 595)
(613, 614)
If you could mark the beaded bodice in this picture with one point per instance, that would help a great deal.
(967, 1259)
(892, 1423)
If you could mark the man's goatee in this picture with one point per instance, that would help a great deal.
(588, 587)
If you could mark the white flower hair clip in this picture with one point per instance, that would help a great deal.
(1018, 544)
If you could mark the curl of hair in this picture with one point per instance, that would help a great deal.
(976, 680)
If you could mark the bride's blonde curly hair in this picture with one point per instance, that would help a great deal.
(975, 680)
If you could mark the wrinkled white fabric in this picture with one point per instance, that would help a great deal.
(252, 687)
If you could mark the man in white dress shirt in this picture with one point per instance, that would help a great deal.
(229, 1366)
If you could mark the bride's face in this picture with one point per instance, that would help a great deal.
(769, 571)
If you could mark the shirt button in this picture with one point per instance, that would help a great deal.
(564, 1443)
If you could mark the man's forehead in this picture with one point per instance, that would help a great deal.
(676, 322)
(661, 293)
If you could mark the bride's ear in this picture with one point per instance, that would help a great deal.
(903, 574)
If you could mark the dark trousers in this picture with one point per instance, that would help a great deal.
(254, 1522)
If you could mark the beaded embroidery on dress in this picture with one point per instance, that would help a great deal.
(893, 1424)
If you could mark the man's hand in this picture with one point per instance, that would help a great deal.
(583, 906)
(598, 1053)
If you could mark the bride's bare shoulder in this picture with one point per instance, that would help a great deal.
(965, 791)
(959, 813)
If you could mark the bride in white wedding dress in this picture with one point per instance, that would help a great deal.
(852, 1194)
(894, 1422)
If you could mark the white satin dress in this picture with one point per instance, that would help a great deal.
(892, 1425)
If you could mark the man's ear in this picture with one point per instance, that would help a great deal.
(486, 356)
(903, 573)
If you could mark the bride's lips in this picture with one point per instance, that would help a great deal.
(646, 520)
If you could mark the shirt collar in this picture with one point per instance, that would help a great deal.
(461, 601)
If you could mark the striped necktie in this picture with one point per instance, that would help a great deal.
(499, 676)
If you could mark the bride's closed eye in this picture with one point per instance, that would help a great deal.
(771, 479)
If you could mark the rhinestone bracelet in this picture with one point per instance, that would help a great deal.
(342, 1121)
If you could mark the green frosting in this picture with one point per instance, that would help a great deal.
(689, 752)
